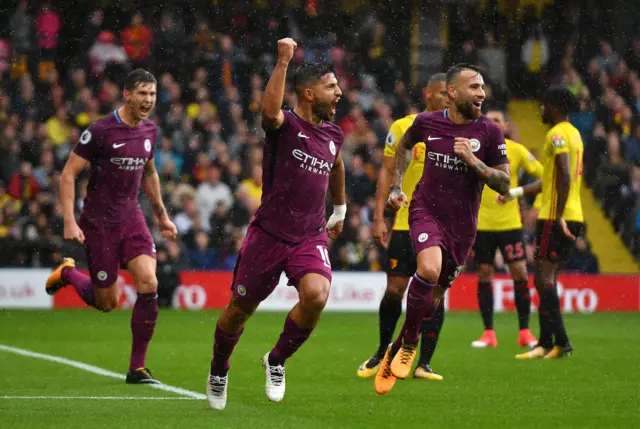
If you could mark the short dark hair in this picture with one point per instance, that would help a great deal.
(495, 107)
(438, 77)
(309, 74)
(562, 98)
(456, 69)
(137, 77)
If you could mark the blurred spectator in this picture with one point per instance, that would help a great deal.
(203, 257)
(136, 40)
(211, 193)
(105, 51)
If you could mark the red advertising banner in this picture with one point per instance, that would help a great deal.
(578, 293)
(363, 291)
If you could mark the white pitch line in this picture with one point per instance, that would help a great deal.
(100, 371)
(113, 398)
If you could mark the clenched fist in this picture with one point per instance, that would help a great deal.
(462, 149)
(286, 47)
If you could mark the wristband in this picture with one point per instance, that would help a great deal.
(516, 192)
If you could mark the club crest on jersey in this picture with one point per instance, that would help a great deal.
(332, 147)
(147, 145)
(423, 237)
(475, 145)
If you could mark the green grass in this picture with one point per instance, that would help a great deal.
(599, 386)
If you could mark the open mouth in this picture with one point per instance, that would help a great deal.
(478, 104)
(145, 109)
(332, 108)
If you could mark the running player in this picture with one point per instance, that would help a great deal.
(464, 151)
(119, 148)
(402, 261)
(560, 220)
(288, 232)
(500, 226)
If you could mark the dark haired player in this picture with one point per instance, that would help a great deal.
(119, 148)
(500, 226)
(464, 151)
(288, 232)
(402, 260)
(560, 220)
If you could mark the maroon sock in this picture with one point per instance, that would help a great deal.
(81, 283)
(143, 323)
(223, 345)
(419, 303)
(290, 340)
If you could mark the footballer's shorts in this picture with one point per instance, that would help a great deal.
(402, 260)
(552, 244)
(510, 243)
(263, 258)
(110, 247)
(426, 232)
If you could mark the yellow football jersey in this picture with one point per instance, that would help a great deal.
(414, 170)
(562, 138)
(494, 217)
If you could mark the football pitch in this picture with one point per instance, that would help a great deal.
(42, 384)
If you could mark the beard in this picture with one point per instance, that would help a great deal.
(322, 110)
(466, 109)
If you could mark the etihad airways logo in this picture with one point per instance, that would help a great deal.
(449, 162)
(311, 163)
(129, 164)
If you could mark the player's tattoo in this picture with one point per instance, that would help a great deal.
(496, 179)
(401, 161)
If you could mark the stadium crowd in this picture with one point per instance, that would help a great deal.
(210, 85)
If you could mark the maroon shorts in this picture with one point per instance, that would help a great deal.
(111, 246)
(263, 258)
(426, 232)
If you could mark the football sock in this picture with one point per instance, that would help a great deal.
(419, 304)
(544, 316)
(556, 323)
(485, 302)
(523, 302)
(431, 327)
(143, 323)
(290, 340)
(81, 283)
(223, 345)
(389, 313)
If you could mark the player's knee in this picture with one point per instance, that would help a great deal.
(315, 298)
(147, 283)
(485, 273)
(429, 272)
(396, 287)
(108, 304)
(518, 271)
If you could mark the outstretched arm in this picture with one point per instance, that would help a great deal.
(272, 116)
